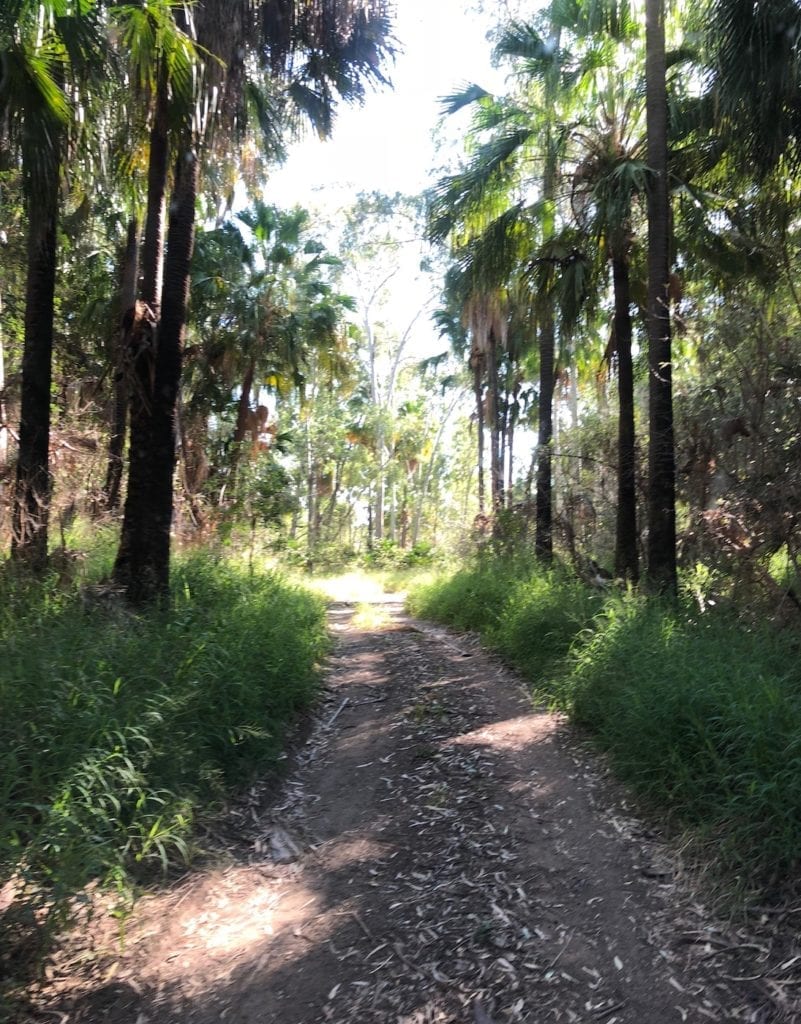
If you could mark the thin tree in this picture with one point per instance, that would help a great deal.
(661, 568)
(44, 52)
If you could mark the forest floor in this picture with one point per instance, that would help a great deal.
(439, 851)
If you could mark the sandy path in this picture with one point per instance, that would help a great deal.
(439, 852)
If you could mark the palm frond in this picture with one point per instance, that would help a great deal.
(465, 97)
(453, 198)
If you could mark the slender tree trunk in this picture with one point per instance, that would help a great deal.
(478, 389)
(428, 472)
(143, 559)
(543, 537)
(3, 407)
(661, 454)
(378, 519)
(157, 171)
(574, 416)
(493, 415)
(626, 561)
(311, 509)
(32, 493)
(543, 540)
(328, 517)
(393, 513)
(404, 516)
(119, 421)
(510, 444)
(243, 407)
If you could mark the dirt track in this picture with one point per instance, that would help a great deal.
(439, 852)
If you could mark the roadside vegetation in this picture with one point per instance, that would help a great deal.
(698, 711)
(121, 732)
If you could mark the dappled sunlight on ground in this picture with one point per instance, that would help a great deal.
(243, 911)
(512, 734)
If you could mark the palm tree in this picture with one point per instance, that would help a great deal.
(610, 175)
(661, 448)
(44, 54)
(483, 204)
(127, 300)
(315, 54)
(756, 71)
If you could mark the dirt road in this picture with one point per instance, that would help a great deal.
(440, 852)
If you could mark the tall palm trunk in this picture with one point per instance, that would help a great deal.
(478, 390)
(141, 344)
(511, 424)
(3, 407)
(32, 493)
(119, 421)
(157, 173)
(143, 560)
(493, 415)
(661, 455)
(626, 561)
(543, 537)
(243, 408)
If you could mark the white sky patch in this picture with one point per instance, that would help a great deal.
(387, 143)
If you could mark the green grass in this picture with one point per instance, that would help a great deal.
(699, 714)
(530, 616)
(702, 716)
(117, 732)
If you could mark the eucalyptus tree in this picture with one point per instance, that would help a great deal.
(383, 250)
(310, 57)
(48, 51)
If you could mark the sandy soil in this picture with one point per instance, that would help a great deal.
(440, 851)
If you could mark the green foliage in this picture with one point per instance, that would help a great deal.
(700, 715)
(387, 554)
(117, 732)
(527, 613)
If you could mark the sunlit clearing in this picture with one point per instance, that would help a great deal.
(352, 587)
(371, 616)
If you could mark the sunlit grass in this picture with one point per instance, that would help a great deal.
(371, 617)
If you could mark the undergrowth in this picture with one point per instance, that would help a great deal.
(699, 714)
(119, 731)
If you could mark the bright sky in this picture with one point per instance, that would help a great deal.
(387, 144)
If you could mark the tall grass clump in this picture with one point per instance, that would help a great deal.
(117, 731)
(530, 614)
(701, 716)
